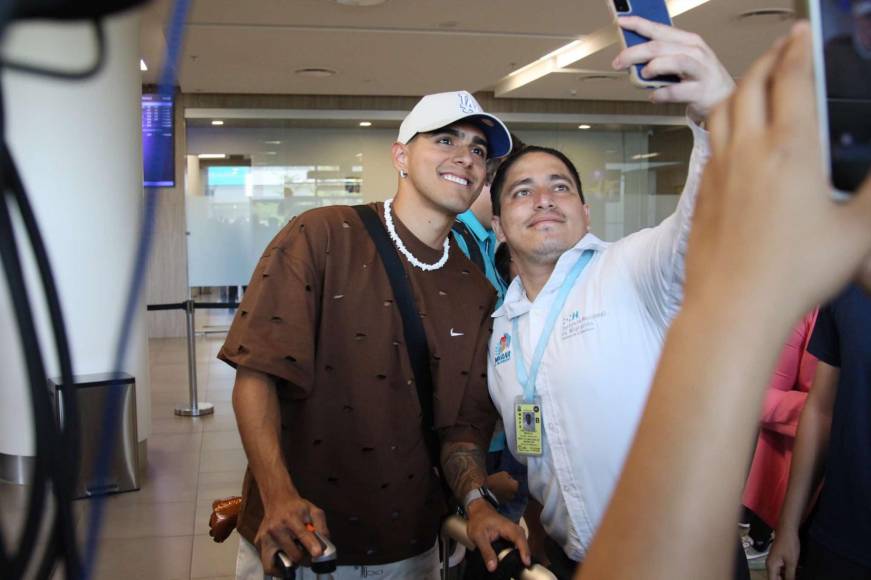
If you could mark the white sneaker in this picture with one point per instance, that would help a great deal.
(755, 558)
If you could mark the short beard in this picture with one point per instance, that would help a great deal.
(548, 252)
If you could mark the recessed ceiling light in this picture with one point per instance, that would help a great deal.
(272, 142)
(217, 122)
(315, 73)
(770, 13)
(597, 77)
(365, 123)
(583, 126)
(645, 156)
(360, 2)
(212, 155)
(142, 66)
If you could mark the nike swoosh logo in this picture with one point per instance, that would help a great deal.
(456, 333)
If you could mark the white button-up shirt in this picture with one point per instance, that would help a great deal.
(598, 365)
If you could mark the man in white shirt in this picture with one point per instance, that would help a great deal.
(609, 306)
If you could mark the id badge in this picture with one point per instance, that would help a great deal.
(528, 426)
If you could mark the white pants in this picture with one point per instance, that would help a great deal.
(421, 567)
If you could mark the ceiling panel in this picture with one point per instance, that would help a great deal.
(264, 61)
(736, 41)
(559, 17)
(414, 47)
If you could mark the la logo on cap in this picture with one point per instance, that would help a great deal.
(468, 104)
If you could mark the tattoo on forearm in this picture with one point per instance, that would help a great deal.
(464, 467)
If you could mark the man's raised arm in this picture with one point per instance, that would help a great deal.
(656, 256)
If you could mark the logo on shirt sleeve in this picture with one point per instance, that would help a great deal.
(503, 350)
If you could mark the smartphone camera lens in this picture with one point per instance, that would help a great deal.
(622, 6)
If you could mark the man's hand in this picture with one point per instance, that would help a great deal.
(284, 524)
(486, 526)
(705, 82)
(463, 467)
(783, 557)
(285, 512)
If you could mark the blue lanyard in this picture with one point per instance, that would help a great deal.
(527, 380)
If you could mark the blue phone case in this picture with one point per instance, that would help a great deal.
(656, 11)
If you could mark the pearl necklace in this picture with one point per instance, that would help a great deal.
(388, 219)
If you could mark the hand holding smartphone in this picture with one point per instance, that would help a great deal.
(655, 11)
(678, 65)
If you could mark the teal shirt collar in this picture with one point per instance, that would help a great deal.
(471, 221)
(487, 242)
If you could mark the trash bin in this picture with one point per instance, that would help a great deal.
(93, 395)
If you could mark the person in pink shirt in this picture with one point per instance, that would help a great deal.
(769, 472)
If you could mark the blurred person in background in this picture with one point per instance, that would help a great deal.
(769, 471)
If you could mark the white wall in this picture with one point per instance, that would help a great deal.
(78, 148)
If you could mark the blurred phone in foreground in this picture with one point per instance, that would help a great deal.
(655, 10)
(842, 66)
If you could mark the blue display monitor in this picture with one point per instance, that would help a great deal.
(158, 142)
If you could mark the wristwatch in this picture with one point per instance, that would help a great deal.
(482, 492)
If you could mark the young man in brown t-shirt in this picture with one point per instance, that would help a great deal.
(324, 395)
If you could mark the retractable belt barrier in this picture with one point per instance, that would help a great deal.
(194, 408)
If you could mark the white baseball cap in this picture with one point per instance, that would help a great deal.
(442, 109)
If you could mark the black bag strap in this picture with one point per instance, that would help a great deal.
(412, 327)
(474, 252)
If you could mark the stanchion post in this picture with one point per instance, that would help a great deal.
(195, 408)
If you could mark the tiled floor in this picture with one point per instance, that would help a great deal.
(192, 461)
(161, 531)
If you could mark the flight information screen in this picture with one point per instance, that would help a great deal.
(158, 144)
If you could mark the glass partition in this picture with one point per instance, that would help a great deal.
(243, 184)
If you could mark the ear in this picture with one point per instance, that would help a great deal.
(497, 229)
(400, 157)
(587, 215)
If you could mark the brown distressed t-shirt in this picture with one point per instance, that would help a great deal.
(319, 316)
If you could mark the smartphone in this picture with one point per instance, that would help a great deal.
(655, 10)
(842, 66)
